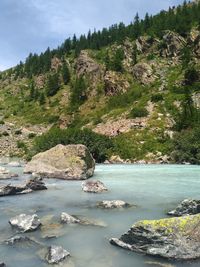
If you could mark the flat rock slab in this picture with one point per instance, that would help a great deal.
(93, 186)
(186, 207)
(56, 254)
(72, 162)
(25, 223)
(175, 238)
(113, 204)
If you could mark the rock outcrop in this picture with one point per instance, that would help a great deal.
(25, 223)
(145, 43)
(72, 162)
(143, 73)
(174, 238)
(93, 186)
(173, 44)
(113, 204)
(186, 207)
(56, 254)
(115, 83)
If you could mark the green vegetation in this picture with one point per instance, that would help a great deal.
(138, 112)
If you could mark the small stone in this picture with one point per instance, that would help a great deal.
(25, 223)
(56, 254)
(113, 204)
(93, 186)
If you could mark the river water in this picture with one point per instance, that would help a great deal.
(155, 189)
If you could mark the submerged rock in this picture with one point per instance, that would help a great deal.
(2, 264)
(113, 204)
(20, 239)
(72, 162)
(56, 254)
(25, 223)
(68, 219)
(93, 186)
(174, 238)
(14, 164)
(6, 174)
(186, 207)
(29, 187)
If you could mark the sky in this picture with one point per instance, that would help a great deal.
(34, 25)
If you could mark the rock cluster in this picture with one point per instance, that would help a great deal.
(186, 207)
(115, 83)
(93, 186)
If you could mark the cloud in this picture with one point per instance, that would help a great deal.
(34, 25)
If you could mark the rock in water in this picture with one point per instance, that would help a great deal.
(14, 164)
(174, 238)
(113, 204)
(72, 162)
(36, 185)
(2, 264)
(56, 254)
(93, 186)
(66, 218)
(186, 207)
(6, 174)
(25, 223)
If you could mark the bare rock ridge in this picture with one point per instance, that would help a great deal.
(72, 162)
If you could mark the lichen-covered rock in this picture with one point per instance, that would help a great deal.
(113, 204)
(143, 72)
(25, 223)
(173, 44)
(71, 162)
(115, 83)
(174, 238)
(68, 219)
(93, 186)
(186, 207)
(56, 254)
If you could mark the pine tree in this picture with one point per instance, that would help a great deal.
(52, 85)
(65, 74)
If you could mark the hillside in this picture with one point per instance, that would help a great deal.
(136, 89)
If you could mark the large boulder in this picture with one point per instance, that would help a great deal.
(56, 254)
(93, 186)
(186, 207)
(143, 72)
(25, 223)
(174, 238)
(71, 162)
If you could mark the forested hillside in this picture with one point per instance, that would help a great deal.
(130, 93)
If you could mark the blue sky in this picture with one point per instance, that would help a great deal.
(33, 25)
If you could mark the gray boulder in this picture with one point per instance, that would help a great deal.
(174, 238)
(143, 72)
(113, 204)
(25, 223)
(68, 219)
(93, 186)
(56, 254)
(186, 207)
(71, 162)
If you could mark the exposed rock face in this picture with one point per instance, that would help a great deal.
(196, 100)
(143, 72)
(93, 186)
(72, 162)
(56, 254)
(173, 44)
(85, 65)
(113, 204)
(175, 238)
(186, 207)
(115, 83)
(144, 43)
(6, 174)
(25, 223)
(30, 186)
(68, 219)
(55, 63)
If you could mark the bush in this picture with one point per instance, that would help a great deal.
(97, 144)
(156, 98)
(187, 146)
(31, 135)
(138, 112)
(2, 122)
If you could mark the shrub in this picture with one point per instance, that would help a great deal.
(97, 144)
(156, 98)
(31, 135)
(138, 112)
(2, 122)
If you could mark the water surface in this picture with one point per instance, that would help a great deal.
(155, 189)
